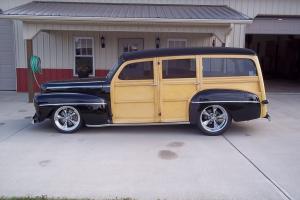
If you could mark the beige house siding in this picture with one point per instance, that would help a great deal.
(56, 48)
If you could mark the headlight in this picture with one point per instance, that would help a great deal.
(43, 88)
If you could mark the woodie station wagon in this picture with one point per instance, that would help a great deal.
(208, 87)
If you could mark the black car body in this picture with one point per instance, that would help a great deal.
(92, 97)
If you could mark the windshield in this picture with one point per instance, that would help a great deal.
(112, 70)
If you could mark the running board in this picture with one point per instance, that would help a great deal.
(138, 124)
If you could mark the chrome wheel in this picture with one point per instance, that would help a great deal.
(214, 118)
(66, 118)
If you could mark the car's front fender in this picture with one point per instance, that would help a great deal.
(94, 109)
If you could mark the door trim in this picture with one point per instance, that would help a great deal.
(116, 82)
(178, 81)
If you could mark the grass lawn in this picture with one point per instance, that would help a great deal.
(53, 198)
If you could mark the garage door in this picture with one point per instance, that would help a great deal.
(7, 64)
(284, 25)
(276, 40)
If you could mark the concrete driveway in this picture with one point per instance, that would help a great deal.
(253, 160)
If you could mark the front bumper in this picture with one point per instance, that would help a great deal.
(35, 119)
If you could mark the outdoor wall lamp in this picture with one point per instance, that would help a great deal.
(214, 42)
(157, 42)
(102, 42)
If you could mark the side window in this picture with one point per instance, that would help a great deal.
(137, 71)
(180, 68)
(224, 67)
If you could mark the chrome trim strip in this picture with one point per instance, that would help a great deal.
(63, 93)
(74, 86)
(77, 82)
(68, 104)
(225, 102)
(138, 124)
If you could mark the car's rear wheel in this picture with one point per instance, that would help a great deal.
(214, 120)
(66, 119)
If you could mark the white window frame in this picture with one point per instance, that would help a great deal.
(74, 56)
(177, 40)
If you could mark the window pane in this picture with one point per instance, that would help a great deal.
(89, 47)
(78, 51)
(78, 46)
(83, 47)
(173, 43)
(77, 43)
(89, 51)
(223, 67)
(84, 64)
(181, 68)
(137, 71)
(84, 51)
(213, 67)
(89, 43)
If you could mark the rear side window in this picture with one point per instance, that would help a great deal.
(179, 68)
(223, 67)
(137, 71)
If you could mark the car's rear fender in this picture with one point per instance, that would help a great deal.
(241, 105)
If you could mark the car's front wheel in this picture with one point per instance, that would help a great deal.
(66, 119)
(214, 120)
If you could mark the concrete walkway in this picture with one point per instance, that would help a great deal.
(253, 160)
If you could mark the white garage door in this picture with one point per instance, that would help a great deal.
(7, 58)
(284, 25)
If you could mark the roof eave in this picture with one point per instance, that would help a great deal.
(109, 19)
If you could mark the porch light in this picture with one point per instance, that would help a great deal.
(102, 42)
(214, 42)
(157, 42)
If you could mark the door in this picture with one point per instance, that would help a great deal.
(130, 44)
(179, 80)
(134, 92)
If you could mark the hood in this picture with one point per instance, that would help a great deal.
(74, 85)
(82, 80)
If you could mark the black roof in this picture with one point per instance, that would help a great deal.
(184, 51)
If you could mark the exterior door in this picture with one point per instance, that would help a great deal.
(179, 81)
(130, 44)
(134, 92)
